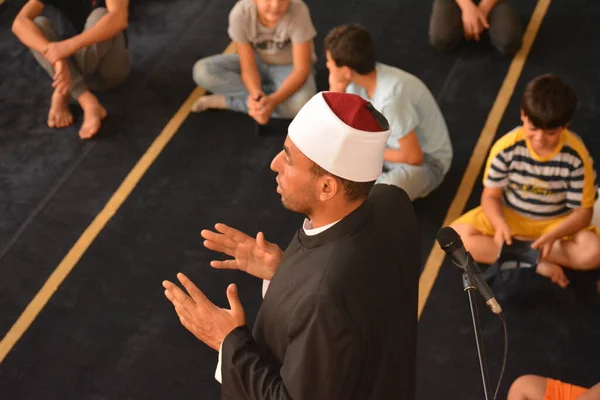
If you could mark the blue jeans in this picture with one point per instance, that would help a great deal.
(221, 74)
(416, 180)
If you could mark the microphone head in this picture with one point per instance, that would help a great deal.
(449, 240)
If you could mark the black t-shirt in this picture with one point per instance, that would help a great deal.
(76, 11)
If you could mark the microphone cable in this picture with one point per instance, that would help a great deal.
(505, 356)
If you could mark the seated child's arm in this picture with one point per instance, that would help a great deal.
(580, 218)
(409, 152)
(250, 75)
(491, 203)
(581, 197)
(403, 119)
(26, 30)
(486, 6)
(115, 21)
(302, 58)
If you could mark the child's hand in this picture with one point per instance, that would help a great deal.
(474, 21)
(267, 107)
(502, 235)
(62, 77)
(544, 244)
(337, 84)
(486, 7)
(261, 108)
(56, 51)
(254, 102)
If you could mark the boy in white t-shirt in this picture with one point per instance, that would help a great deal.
(271, 75)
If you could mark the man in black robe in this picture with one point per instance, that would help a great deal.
(339, 318)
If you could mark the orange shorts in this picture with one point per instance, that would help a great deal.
(557, 390)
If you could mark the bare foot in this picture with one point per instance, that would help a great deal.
(59, 115)
(211, 101)
(260, 119)
(93, 114)
(554, 272)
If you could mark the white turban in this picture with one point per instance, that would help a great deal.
(343, 134)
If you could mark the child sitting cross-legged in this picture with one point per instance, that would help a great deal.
(539, 185)
(271, 75)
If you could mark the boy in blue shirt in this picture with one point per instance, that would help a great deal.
(419, 152)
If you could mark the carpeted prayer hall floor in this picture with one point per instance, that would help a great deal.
(108, 332)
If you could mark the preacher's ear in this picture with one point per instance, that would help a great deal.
(328, 187)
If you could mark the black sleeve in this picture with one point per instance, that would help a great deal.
(322, 360)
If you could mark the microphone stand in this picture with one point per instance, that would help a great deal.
(470, 288)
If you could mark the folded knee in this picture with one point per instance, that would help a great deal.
(463, 230)
(508, 46)
(203, 72)
(590, 259)
(98, 13)
(292, 106)
(444, 41)
(44, 23)
(117, 76)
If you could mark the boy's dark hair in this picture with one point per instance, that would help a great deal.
(548, 102)
(352, 46)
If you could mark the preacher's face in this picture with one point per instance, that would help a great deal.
(296, 183)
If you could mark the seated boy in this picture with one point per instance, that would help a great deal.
(271, 74)
(453, 20)
(96, 57)
(539, 185)
(419, 152)
(532, 387)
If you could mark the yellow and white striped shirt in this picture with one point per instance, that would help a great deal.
(542, 187)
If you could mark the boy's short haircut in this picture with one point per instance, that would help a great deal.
(352, 46)
(548, 102)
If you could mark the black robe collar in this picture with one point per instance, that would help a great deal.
(350, 223)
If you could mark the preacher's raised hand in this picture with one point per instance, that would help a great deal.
(200, 316)
(254, 256)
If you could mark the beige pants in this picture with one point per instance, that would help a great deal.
(100, 66)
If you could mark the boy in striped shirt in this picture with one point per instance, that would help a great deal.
(539, 185)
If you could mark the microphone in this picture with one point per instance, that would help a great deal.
(451, 243)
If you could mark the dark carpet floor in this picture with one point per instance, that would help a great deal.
(108, 332)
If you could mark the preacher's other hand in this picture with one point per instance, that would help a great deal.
(255, 256)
